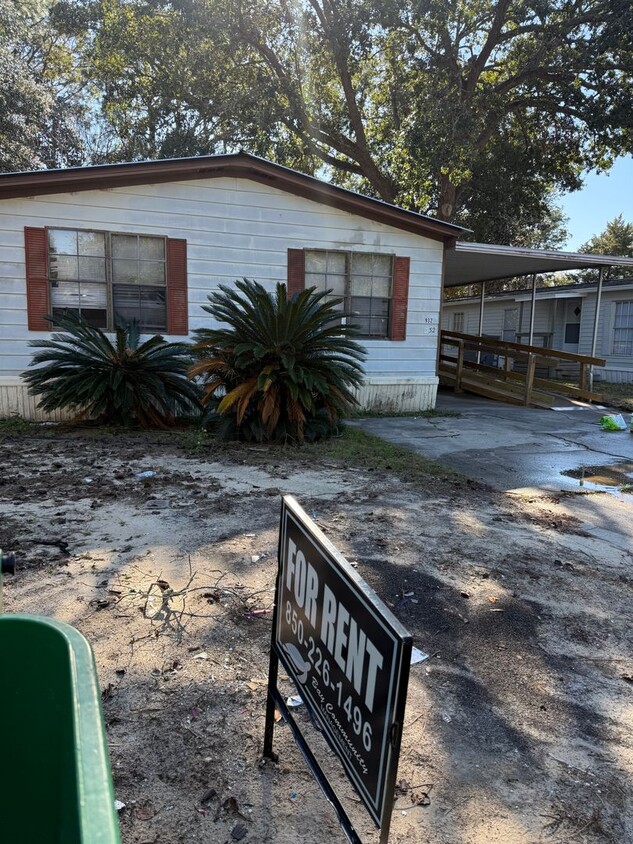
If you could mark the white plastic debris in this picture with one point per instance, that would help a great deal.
(255, 558)
(149, 473)
(118, 805)
(293, 701)
(203, 655)
(87, 480)
(418, 656)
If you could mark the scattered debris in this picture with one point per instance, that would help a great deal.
(238, 832)
(418, 656)
(158, 504)
(293, 701)
(613, 422)
(148, 473)
(208, 795)
(118, 805)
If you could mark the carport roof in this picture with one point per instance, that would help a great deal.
(471, 263)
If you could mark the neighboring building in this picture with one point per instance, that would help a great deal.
(152, 240)
(563, 320)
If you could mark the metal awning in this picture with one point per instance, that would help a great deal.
(472, 263)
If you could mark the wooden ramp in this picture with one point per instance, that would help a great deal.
(501, 381)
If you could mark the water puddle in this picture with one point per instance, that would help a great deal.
(615, 478)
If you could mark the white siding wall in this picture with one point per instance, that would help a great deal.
(234, 228)
(619, 368)
(493, 316)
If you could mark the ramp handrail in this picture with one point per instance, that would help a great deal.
(455, 365)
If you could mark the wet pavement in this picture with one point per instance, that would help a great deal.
(513, 448)
(527, 451)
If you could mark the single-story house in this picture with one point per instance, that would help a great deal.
(563, 319)
(153, 239)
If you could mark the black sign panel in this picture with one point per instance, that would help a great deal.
(347, 654)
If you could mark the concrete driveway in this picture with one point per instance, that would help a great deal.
(509, 447)
(525, 451)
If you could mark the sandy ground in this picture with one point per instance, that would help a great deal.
(519, 728)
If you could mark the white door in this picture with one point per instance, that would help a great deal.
(571, 327)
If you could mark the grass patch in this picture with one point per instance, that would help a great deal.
(353, 448)
(619, 396)
(15, 425)
(361, 450)
(433, 413)
(616, 395)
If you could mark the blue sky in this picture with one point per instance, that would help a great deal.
(602, 198)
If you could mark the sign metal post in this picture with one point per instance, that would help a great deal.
(349, 658)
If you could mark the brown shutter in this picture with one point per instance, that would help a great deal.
(177, 302)
(296, 271)
(38, 293)
(399, 299)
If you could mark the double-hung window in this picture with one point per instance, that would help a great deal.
(363, 281)
(623, 329)
(108, 278)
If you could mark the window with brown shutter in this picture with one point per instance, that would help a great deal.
(177, 301)
(400, 299)
(37, 285)
(296, 271)
(373, 287)
(107, 277)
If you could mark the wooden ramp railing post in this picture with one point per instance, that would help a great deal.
(459, 369)
(529, 378)
(503, 380)
(582, 383)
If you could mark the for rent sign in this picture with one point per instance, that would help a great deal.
(347, 654)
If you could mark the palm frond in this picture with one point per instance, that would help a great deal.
(288, 368)
(118, 382)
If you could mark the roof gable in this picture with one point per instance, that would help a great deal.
(239, 165)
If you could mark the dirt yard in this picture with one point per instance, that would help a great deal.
(519, 728)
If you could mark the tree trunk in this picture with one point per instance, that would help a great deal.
(448, 199)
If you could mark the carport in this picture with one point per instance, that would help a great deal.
(479, 263)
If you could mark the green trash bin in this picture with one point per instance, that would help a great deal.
(55, 772)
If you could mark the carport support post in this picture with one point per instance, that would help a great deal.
(596, 317)
(481, 316)
(532, 310)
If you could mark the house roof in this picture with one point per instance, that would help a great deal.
(240, 165)
(559, 291)
(471, 263)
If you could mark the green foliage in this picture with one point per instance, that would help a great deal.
(281, 369)
(194, 440)
(41, 105)
(15, 425)
(616, 239)
(475, 111)
(121, 382)
(358, 448)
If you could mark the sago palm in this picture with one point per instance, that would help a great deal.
(278, 369)
(120, 382)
